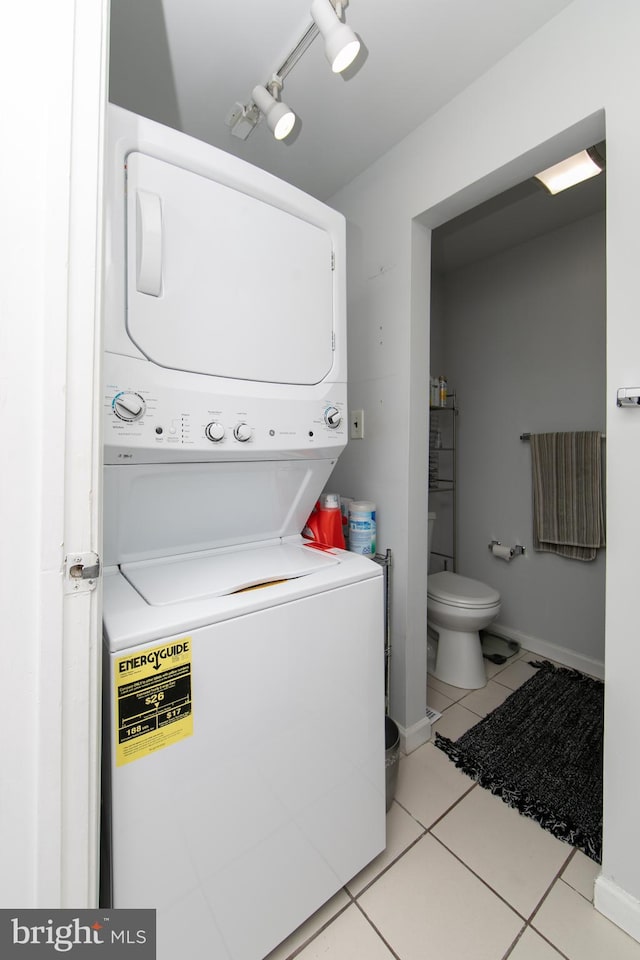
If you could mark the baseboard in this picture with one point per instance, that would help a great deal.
(617, 905)
(413, 737)
(594, 668)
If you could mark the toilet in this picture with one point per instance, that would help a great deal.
(457, 609)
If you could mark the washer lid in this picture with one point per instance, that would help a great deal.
(447, 587)
(174, 580)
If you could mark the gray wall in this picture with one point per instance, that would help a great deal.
(522, 336)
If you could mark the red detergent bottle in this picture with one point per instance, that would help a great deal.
(324, 526)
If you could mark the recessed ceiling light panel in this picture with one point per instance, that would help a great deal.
(581, 166)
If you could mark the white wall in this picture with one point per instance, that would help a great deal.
(524, 335)
(545, 100)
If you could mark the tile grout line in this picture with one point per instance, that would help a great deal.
(557, 877)
(455, 803)
(459, 703)
(527, 919)
(555, 946)
(481, 879)
(529, 924)
(356, 896)
(515, 943)
(298, 950)
(579, 892)
(526, 927)
(375, 929)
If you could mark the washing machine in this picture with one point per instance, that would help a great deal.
(243, 679)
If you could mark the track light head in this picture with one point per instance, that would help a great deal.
(280, 118)
(341, 46)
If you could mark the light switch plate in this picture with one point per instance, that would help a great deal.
(357, 424)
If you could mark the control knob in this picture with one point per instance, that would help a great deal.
(332, 417)
(214, 431)
(242, 432)
(129, 406)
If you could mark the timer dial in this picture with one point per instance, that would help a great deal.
(332, 417)
(129, 406)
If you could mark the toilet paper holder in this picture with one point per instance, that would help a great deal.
(516, 550)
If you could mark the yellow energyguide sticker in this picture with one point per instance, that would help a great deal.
(153, 707)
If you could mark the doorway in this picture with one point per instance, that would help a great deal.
(518, 326)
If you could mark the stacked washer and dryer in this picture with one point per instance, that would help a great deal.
(244, 692)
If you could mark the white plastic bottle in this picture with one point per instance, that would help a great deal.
(362, 527)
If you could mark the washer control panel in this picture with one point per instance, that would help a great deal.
(144, 423)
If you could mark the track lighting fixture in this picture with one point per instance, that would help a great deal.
(341, 48)
(280, 118)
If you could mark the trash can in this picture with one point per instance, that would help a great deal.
(391, 758)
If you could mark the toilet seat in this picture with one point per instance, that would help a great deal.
(454, 590)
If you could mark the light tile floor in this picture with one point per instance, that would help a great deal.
(463, 877)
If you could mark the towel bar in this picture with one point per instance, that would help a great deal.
(527, 436)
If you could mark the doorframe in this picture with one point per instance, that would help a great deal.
(589, 130)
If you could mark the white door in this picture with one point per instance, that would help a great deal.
(49, 506)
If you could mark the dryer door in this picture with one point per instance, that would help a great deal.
(224, 284)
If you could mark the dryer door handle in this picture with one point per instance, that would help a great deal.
(148, 243)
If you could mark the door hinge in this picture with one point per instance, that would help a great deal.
(81, 571)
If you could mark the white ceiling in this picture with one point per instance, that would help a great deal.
(186, 62)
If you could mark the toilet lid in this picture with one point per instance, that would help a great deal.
(447, 587)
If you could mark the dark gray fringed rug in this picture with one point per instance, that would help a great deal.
(541, 752)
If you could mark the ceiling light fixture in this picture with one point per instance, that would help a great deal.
(280, 118)
(581, 166)
(341, 48)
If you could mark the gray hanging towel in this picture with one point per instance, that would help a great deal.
(568, 509)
